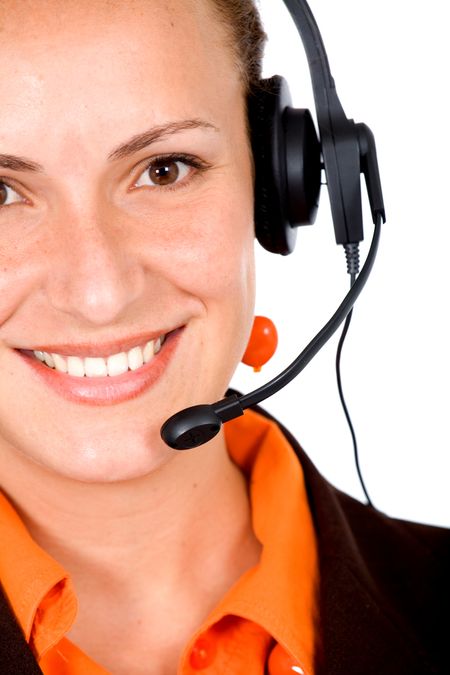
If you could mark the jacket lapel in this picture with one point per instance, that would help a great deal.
(15, 654)
(361, 631)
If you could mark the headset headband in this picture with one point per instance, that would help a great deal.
(347, 148)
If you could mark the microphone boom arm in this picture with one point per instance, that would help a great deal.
(198, 424)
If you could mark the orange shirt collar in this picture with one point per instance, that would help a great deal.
(37, 587)
(279, 593)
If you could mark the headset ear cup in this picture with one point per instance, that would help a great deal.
(286, 154)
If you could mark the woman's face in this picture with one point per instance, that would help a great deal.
(99, 255)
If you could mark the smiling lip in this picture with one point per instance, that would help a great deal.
(105, 349)
(101, 391)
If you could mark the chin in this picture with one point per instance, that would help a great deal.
(106, 464)
(111, 472)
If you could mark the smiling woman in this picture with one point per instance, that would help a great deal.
(123, 253)
(126, 294)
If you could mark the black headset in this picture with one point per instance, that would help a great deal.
(289, 158)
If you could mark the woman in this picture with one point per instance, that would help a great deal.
(127, 294)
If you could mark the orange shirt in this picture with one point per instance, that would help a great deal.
(264, 624)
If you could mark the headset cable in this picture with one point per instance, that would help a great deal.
(352, 255)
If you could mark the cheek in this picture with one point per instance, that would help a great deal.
(202, 244)
(18, 268)
(222, 264)
(212, 260)
(221, 275)
(224, 280)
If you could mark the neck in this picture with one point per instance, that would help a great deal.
(196, 497)
(189, 518)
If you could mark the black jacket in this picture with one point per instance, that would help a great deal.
(384, 598)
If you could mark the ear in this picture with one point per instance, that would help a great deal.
(286, 154)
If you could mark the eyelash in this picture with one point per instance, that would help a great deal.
(5, 182)
(189, 160)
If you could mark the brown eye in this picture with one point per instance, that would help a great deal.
(162, 172)
(8, 195)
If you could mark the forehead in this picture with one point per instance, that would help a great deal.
(76, 57)
(36, 21)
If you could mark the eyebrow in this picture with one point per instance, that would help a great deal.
(131, 146)
(19, 163)
(156, 134)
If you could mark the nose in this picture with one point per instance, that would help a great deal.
(94, 274)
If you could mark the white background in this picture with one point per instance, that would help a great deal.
(389, 59)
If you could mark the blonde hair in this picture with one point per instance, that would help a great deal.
(247, 37)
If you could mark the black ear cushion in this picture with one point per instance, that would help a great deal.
(264, 111)
(285, 151)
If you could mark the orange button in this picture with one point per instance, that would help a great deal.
(282, 663)
(203, 653)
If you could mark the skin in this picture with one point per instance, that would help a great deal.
(87, 257)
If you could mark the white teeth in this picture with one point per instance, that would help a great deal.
(117, 364)
(135, 358)
(48, 358)
(148, 351)
(60, 363)
(96, 366)
(75, 366)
